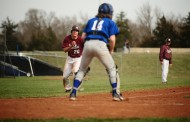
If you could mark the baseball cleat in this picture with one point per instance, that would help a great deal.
(73, 96)
(67, 85)
(68, 90)
(117, 97)
(164, 82)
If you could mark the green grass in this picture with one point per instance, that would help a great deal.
(137, 72)
(21, 87)
(48, 86)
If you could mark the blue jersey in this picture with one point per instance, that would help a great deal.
(100, 29)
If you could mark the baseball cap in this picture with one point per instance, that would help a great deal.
(168, 40)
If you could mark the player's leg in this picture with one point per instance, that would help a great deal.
(106, 59)
(113, 78)
(78, 80)
(85, 61)
(66, 73)
(165, 66)
(76, 66)
(118, 80)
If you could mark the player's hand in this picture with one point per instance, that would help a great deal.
(161, 62)
(170, 65)
(73, 43)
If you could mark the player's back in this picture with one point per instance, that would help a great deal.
(100, 28)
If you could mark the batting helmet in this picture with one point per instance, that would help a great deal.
(105, 8)
(75, 28)
(168, 40)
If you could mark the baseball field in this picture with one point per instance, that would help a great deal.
(42, 98)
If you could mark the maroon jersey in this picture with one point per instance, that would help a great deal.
(127, 45)
(75, 51)
(165, 53)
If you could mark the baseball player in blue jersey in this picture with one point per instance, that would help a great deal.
(98, 33)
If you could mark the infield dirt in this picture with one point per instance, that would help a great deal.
(173, 102)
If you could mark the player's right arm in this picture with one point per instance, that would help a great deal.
(68, 48)
(161, 54)
(83, 35)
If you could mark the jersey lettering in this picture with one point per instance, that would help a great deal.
(76, 51)
(99, 26)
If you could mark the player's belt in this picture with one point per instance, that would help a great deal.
(75, 56)
(88, 39)
(97, 33)
(167, 58)
(94, 40)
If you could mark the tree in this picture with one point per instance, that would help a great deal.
(9, 29)
(44, 41)
(36, 31)
(42, 31)
(30, 28)
(145, 17)
(134, 34)
(123, 26)
(185, 32)
(163, 30)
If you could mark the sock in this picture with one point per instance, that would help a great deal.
(76, 84)
(114, 87)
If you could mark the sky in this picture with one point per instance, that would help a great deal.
(16, 9)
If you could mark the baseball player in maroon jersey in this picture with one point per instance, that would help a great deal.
(165, 57)
(73, 45)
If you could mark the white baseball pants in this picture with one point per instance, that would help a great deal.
(97, 48)
(165, 70)
(71, 66)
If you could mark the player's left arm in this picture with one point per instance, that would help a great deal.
(112, 40)
(170, 61)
